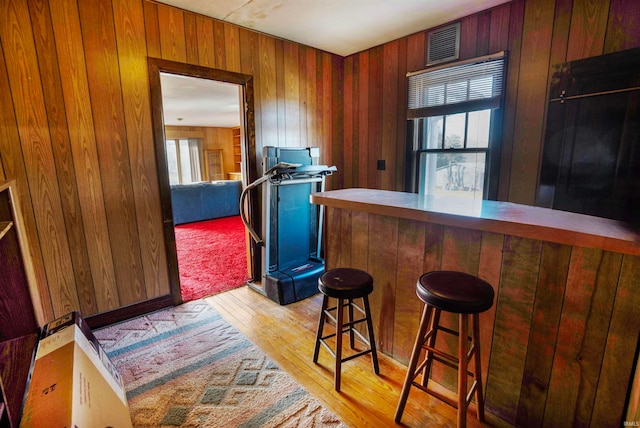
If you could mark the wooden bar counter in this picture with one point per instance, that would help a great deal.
(559, 346)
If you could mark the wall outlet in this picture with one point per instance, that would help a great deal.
(381, 165)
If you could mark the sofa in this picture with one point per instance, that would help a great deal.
(205, 200)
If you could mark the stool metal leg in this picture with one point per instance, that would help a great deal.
(339, 323)
(316, 351)
(372, 340)
(413, 362)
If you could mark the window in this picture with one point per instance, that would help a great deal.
(451, 113)
(184, 160)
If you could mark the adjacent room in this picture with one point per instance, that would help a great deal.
(313, 213)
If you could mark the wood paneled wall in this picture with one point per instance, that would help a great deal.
(76, 131)
(559, 345)
(536, 33)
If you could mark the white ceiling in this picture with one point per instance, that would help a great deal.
(342, 27)
(190, 101)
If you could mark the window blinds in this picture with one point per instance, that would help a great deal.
(463, 86)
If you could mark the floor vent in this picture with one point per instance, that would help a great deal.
(443, 44)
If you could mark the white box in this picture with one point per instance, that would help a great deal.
(73, 382)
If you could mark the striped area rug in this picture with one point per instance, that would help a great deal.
(186, 366)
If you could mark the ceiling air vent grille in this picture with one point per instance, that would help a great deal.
(443, 44)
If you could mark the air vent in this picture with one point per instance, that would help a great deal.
(443, 44)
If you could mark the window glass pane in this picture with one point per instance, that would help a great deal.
(185, 162)
(478, 128)
(172, 161)
(454, 131)
(459, 174)
(432, 138)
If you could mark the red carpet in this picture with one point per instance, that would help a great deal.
(211, 256)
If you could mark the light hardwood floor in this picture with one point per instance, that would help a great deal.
(287, 334)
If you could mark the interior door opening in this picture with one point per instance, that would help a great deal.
(202, 118)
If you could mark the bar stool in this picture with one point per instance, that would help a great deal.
(345, 285)
(465, 295)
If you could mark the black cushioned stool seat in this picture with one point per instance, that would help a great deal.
(345, 285)
(459, 293)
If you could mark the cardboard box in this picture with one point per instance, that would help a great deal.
(73, 381)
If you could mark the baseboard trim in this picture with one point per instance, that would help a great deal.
(127, 312)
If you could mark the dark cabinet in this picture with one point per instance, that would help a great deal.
(591, 155)
(18, 324)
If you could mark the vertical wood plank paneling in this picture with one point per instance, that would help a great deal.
(128, 18)
(312, 91)
(320, 95)
(205, 45)
(113, 153)
(516, 18)
(336, 118)
(484, 33)
(85, 154)
(560, 40)
(389, 114)
(268, 133)
(468, 36)
(588, 28)
(623, 31)
(152, 29)
(332, 238)
(360, 240)
(566, 375)
(232, 47)
(280, 85)
(382, 265)
(191, 38)
(489, 268)
(250, 60)
(615, 377)
(302, 87)
(363, 121)
(554, 267)
(39, 184)
(416, 45)
(433, 244)
(595, 335)
(355, 165)
(520, 267)
(532, 93)
(327, 109)
(411, 250)
(375, 115)
(499, 28)
(291, 95)
(345, 237)
(172, 34)
(401, 117)
(219, 44)
(461, 250)
(349, 109)
(65, 171)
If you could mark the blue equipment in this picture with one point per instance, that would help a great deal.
(291, 225)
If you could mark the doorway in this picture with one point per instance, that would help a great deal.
(188, 161)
